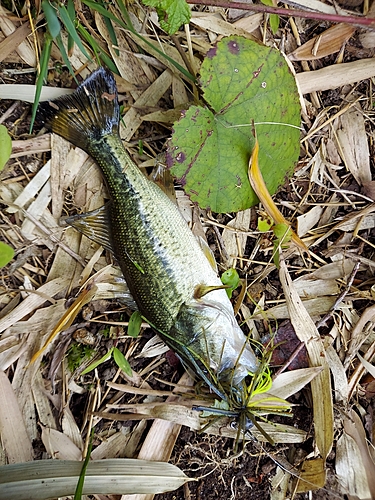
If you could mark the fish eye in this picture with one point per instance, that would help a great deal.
(234, 425)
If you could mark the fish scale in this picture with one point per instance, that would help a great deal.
(160, 289)
(160, 258)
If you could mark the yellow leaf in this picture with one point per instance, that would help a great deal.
(260, 188)
(83, 298)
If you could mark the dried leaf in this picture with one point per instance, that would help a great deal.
(7, 46)
(14, 436)
(321, 385)
(340, 380)
(353, 145)
(288, 383)
(350, 471)
(41, 397)
(280, 483)
(235, 241)
(67, 319)
(24, 92)
(369, 367)
(60, 446)
(325, 44)
(24, 48)
(354, 428)
(308, 220)
(150, 97)
(314, 307)
(312, 475)
(33, 302)
(32, 146)
(53, 478)
(32, 188)
(70, 428)
(217, 25)
(307, 287)
(279, 433)
(335, 75)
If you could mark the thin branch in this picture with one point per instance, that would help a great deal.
(334, 18)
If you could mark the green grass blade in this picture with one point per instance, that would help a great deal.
(53, 23)
(99, 8)
(122, 362)
(81, 480)
(64, 56)
(112, 33)
(125, 13)
(101, 56)
(72, 15)
(135, 323)
(44, 59)
(98, 362)
(104, 12)
(5, 146)
(68, 23)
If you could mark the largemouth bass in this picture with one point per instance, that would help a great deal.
(164, 266)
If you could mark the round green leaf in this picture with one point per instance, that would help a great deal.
(5, 146)
(6, 254)
(282, 232)
(230, 277)
(211, 146)
(264, 225)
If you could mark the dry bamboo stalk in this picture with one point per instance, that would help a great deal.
(160, 441)
(336, 75)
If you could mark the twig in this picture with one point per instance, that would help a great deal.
(341, 297)
(182, 54)
(9, 111)
(290, 360)
(334, 18)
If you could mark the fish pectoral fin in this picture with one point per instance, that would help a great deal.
(202, 290)
(95, 225)
(207, 252)
(114, 286)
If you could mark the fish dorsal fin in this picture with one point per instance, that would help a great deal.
(207, 252)
(95, 225)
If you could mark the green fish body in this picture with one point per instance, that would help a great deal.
(162, 261)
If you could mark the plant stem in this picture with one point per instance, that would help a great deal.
(334, 18)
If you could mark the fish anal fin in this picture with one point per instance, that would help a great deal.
(94, 224)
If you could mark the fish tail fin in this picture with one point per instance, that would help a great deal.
(89, 114)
